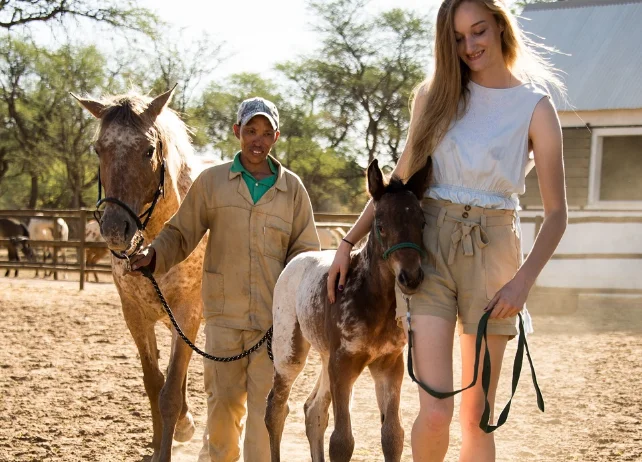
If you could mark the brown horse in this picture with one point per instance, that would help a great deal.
(358, 330)
(144, 148)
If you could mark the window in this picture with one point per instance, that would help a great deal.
(616, 168)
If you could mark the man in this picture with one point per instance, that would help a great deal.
(259, 217)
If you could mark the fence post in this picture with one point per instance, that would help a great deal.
(81, 253)
(54, 249)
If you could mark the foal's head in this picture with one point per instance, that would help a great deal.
(399, 223)
(130, 151)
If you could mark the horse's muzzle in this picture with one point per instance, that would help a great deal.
(409, 282)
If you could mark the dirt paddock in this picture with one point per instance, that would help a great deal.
(71, 385)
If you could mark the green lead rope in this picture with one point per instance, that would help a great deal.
(517, 367)
(402, 245)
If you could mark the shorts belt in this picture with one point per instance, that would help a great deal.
(469, 233)
(463, 232)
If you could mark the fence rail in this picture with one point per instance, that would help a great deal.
(81, 215)
(323, 220)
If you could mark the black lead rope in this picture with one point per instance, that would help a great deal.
(141, 225)
(522, 346)
(267, 338)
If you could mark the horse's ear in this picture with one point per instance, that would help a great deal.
(96, 108)
(418, 183)
(376, 185)
(159, 103)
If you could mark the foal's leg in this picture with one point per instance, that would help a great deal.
(172, 400)
(316, 413)
(343, 372)
(387, 373)
(290, 352)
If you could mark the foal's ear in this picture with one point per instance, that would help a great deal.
(418, 183)
(159, 103)
(376, 185)
(96, 108)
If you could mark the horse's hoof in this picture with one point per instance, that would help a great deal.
(185, 428)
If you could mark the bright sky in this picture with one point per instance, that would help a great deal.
(261, 33)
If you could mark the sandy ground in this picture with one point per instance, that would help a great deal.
(71, 385)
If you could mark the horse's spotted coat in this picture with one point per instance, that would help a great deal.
(129, 126)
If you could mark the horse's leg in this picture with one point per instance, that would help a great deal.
(172, 400)
(185, 426)
(144, 336)
(290, 352)
(387, 373)
(344, 370)
(13, 256)
(316, 413)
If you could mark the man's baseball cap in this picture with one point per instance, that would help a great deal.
(258, 106)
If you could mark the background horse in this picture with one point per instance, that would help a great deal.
(49, 229)
(358, 330)
(93, 255)
(137, 136)
(19, 236)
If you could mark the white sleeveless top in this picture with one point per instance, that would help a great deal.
(483, 158)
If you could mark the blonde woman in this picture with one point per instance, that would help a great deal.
(484, 117)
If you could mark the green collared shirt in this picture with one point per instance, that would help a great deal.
(256, 187)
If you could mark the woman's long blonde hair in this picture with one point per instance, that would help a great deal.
(446, 92)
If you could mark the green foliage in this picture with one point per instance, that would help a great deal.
(122, 14)
(340, 107)
(47, 135)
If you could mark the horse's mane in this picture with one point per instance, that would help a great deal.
(395, 185)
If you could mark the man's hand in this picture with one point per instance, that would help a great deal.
(146, 258)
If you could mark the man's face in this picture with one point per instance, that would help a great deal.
(257, 138)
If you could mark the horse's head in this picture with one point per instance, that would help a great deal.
(399, 223)
(130, 151)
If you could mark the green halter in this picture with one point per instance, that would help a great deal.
(401, 245)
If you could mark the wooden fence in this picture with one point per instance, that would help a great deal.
(323, 220)
(79, 244)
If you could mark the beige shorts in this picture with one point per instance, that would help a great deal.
(472, 253)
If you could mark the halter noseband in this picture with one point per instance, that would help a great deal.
(394, 248)
(140, 225)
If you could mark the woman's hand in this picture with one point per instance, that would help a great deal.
(509, 300)
(339, 267)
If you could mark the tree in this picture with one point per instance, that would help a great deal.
(364, 73)
(117, 13)
(47, 135)
(170, 61)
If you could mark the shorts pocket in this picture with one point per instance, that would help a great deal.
(501, 257)
(213, 293)
(277, 238)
